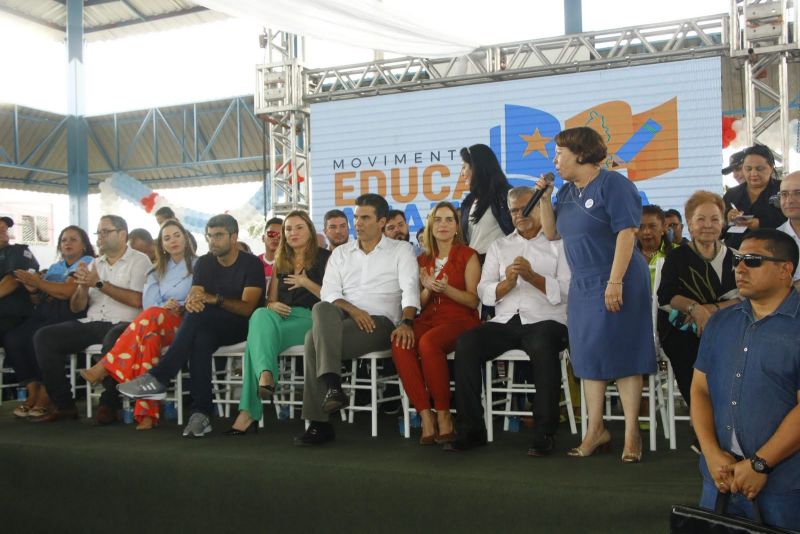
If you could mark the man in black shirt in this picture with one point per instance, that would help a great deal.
(227, 287)
(15, 302)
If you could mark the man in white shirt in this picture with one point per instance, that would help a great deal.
(526, 278)
(369, 297)
(790, 206)
(110, 290)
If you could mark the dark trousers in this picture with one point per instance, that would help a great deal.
(9, 323)
(54, 343)
(681, 349)
(20, 353)
(199, 335)
(542, 341)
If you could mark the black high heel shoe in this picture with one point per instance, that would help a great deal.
(267, 392)
(236, 432)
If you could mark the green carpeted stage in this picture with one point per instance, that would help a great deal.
(75, 477)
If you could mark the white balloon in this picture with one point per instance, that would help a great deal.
(738, 126)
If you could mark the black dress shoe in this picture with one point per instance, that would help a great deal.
(56, 415)
(467, 441)
(543, 446)
(317, 434)
(335, 400)
(106, 415)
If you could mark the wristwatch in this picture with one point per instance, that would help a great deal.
(99, 284)
(407, 322)
(760, 465)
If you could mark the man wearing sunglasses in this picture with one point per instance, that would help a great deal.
(746, 387)
(228, 285)
(271, 239)
(789, 197)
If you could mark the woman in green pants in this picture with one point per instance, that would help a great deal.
(293, 291)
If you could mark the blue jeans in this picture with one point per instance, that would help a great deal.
(777, 510)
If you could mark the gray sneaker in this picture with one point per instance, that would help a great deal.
(143, 387)
(198, 426)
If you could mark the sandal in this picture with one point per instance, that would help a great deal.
(37, 411)
(22, 411)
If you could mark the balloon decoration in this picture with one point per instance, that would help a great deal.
(728, 133)
(121, 186)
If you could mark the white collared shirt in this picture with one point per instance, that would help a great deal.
(547, 259)
(128, 272)
(382, 282)
(787, 228)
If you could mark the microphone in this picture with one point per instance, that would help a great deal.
(537, 195)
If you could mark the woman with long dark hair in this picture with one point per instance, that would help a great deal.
(138, 348)
(52, 293)
(484, 211)
(294, 289)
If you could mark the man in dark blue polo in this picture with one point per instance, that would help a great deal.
(746, 387)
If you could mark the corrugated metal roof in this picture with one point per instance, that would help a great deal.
(112, 19)
(156, 146)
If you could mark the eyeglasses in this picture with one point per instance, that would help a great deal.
(753, 261)
(673, 225)
(794, 194)
(273, 233)
(216, 236)
(104, 233)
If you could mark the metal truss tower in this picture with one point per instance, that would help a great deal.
(765, 35)
(280, 87)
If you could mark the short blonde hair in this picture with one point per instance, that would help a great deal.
(699, 198)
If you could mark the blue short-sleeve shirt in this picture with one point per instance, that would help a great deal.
(753, 373)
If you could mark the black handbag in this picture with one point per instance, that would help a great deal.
(694, 520)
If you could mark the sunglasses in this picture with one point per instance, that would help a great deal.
(273, 233)
(754, 260)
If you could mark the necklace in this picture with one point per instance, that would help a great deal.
(581, 189)
(702, 256)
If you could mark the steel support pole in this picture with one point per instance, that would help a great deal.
(77, 135)
(573, 17)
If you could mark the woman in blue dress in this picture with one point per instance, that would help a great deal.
(597, 213)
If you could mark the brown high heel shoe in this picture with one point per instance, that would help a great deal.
(94, 374)
(449, 437)
(604, 445)
(629, 457)
(431, 439)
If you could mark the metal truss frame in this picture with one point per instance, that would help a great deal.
(280, 87)
(765, 35)
(179, 126)
(634, 45)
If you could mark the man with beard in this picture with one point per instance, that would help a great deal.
(227, 287)
(336, 228)
(110, 290)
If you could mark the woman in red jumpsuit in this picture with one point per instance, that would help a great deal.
(449, 275)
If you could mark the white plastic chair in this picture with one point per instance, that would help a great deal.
(507, 385)
(3, 371)
(351, 383)
(408, 408)
(176, 389)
